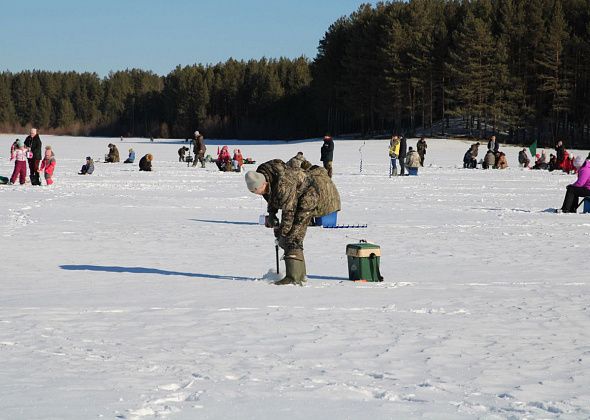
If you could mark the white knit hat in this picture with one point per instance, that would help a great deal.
(254, 180)
(197, 134)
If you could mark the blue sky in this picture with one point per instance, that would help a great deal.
(157, 35)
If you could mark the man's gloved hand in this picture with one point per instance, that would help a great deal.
(272, 221)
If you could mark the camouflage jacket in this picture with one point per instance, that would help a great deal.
(296, 191)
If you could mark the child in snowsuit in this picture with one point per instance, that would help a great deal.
(48, 165)
(19, 155)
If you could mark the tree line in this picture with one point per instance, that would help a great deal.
(518, 68)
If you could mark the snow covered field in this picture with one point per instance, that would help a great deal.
(136, 295)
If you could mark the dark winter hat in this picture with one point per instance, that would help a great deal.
(254, 180)
(88, 158)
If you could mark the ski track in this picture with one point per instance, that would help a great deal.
(148, 298)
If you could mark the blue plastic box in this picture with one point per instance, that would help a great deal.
(328, 220)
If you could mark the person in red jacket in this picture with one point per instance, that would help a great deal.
(48, 165)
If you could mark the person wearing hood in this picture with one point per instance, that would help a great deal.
(34, 144)
(580, 188)
(413, 161)
(19, 155)
(300, 195)
(489, 160)
(145, 163)
(327, 154)
(48, 165)
(113, 155)
(131, 157)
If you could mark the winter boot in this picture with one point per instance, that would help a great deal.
(295, 267)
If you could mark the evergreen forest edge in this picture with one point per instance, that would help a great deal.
(520, 68)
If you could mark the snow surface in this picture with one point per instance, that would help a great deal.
(134, 295)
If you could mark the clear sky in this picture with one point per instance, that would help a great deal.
(157, 35)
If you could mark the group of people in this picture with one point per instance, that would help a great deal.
(562, 160)
(409, 159)
(145, 163)
(493, 158)
(229, 163)
(29, 154)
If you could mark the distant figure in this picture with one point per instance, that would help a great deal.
(121, 138)
(469, 161)
(489, 160)
(327, 154)
(237, 160)
(412, 161)
(145, 163)
(199, 149)
(113, 155)
(501, 162)
(560, 155)
(48, 165)
(19, 155)
(299, 161)
(580, 188)
(88, 167)
(393, 153)
(552, 162)
(33, 143)
(151, 139)
(182, 152)
(494, 145)
(523, 158)
(131, 157)
(224, 160)
(422, 146)
(403, 150)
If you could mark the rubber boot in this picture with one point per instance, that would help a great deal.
(295, 267)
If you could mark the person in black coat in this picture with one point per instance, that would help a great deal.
(560, 154)
(327, 154)
(33, 142)
(145, 163)
(403, 150)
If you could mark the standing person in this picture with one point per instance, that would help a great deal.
(327, 154)
(300, 195)
(199, 149)
(403, 151)
(580, 188)
(48, 165)
(559, 154)
(145, 163)
(19, 155)
(34, 144)
(393, 153)
(422, 146)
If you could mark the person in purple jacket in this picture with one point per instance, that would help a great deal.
(580, 188)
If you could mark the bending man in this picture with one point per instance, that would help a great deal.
(300, 195)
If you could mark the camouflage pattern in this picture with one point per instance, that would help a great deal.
(300, 195)
(299, 161)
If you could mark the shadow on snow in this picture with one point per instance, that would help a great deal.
(226, 222)
(145, 270)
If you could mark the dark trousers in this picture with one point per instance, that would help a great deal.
(328, 167)
(572, 195)
(34, 172)
(402, 165)
(20, 172)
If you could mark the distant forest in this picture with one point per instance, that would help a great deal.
(520, 68)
